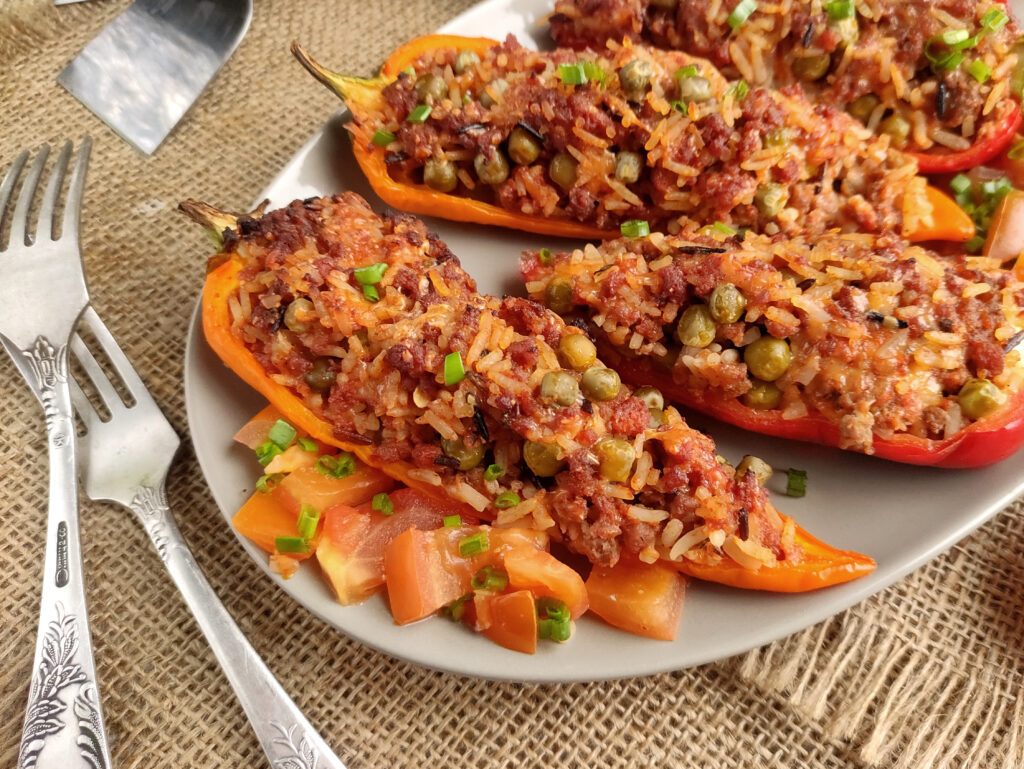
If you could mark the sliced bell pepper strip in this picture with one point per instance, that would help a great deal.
(981, 443)
(945, 222)
(996, 136)
(223, 282)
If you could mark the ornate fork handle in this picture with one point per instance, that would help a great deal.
(287, 737)
(63, 721)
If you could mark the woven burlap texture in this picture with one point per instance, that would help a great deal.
(928, 673)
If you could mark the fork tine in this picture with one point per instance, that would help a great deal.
(73, 205)
(96, 375)
(52, 193)
(7, 186)
(83, 406)
(19, 221)
(136, 388)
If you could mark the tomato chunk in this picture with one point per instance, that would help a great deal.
(308, 486)
(254, 432)
(544, 575)
(264, 518)
(645, 599)
(511, 619)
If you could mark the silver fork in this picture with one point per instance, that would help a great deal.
(125, 459)
(41, 296)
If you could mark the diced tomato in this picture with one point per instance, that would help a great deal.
(309, 486)
(645, 599)
(544, 575)
(254, 432)
(264, 518)
(291, 459)
(352, 540)
(1005, 240)
(509, 619)
(425, 571)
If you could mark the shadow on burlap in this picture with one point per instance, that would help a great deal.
(926, 674)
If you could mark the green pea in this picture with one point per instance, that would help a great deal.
(767, 358)
(770, 199)
(440, 175)
(468, 456)
(493, 92)
(651, 396)
(762, 396)
(777, 137)
(562, 170)
(978, 398)
(464, 60)
(320, 377)
(542, 459)
(750, 464)
(558, 296)
(847, 29)
(635, 78)
(694, 88)
(812, 67)
(431, 88)
(559, 387)
(628, 166)
(615, 457)
(1017, 75)
(863, 107)
(600, 384)
(657, 418)
(726, 303)
(301, 307)
(898, 127)
(577, 351)
(523, 146)
(491, 169)
(696, 326)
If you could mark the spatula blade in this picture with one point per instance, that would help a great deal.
(144, 70)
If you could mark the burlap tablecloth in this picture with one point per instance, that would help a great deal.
(928, 673)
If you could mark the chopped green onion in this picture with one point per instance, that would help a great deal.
(688, 71)
(506, 500)
(490, 578)
(979, 70)
(572, 74)
(382, 138)
(1016, 152)
(309, 517)
(341, 466)
(291, 545)
(974, 245)
(554, 620)
(796, 482)
(740, 90)
(841, 9)
(457, 608)
(996, 187)
(679, 105)
(960, 184)
(994, 20)
(545, 256)
(371, 293)
(452, 521)
(741, 13)
(410, 71)
(382, 504)
(266, 452)
(307, 444)
(493, 472)
(952, 36)
(635, 228)
(282, 434)
(723, 228)
(592, 71)
(474, 544)
(453, 369)
(267, 483)
(367, 276)
(420, 114)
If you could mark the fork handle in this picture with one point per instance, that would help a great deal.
(63, 720)
(288, 739)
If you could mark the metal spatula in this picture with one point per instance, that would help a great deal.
(146, 68)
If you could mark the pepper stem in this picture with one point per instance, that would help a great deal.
(359, 89)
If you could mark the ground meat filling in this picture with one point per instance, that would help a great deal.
(886, 62)
(878, 336)
(473, 396)
(649, 135)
